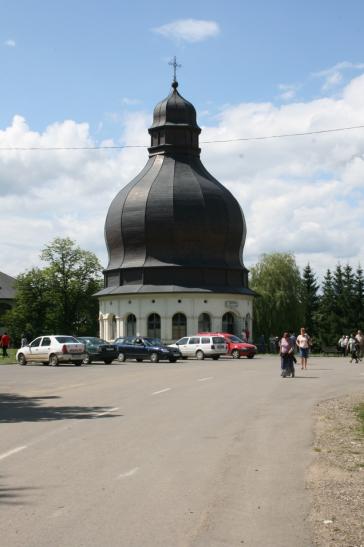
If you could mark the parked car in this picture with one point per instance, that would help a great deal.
(52, 350)
(98, 350)
(235, 345)
(201, 346)
(140, 348)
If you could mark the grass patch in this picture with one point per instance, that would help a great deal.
(360, 414)
(8, 360)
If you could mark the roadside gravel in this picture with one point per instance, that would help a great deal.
(336, 476)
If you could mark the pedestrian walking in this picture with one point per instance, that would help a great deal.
(359, 337)
(287, 357)
(346, 345)
(303, 343)
(353, 347)
(23, 341)
(341, 345)
(5, 343)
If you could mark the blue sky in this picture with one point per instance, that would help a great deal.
(91, 72)
(79, 60)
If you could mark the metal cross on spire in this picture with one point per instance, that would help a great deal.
(175, 66)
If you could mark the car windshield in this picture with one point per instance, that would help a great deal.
(235, 338)
(67, 340)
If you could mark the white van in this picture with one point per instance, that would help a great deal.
(201, 346)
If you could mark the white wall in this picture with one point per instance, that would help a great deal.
(115, 309)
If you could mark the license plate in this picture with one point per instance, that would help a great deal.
(220, 346)
(109, 349)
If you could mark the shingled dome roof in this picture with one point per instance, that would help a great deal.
(175, 227)
(174, 110)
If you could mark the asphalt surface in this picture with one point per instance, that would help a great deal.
(197, 454)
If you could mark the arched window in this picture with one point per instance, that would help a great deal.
(154, 326)
(179, 326)
(131, 325)
(113, 328)
(204, 323)
(228, 323)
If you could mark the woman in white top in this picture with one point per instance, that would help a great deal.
(303, 343)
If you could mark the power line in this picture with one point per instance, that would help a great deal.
(240, 139)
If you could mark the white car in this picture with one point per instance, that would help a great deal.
(52, 350)
(201, 346)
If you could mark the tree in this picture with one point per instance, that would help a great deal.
(278, 306)
(326, 316)
(359, 297)
(310, 300)
(58, 298)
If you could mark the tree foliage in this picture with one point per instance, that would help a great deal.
(278, 306)
(310, 299)
(58, 298)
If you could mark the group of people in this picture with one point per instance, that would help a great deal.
(287, 347)
(352, 345)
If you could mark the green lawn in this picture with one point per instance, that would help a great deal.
(360, 413)
(8, 360)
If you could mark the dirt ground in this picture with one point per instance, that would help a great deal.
(336, 477)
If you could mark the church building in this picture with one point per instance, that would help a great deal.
(175, 238)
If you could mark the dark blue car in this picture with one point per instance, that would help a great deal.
(140, 348)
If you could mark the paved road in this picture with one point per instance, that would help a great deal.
(197, 454)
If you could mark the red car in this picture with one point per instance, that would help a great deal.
(236, 347)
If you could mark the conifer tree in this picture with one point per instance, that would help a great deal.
(326, 316)
(359, 298)
(310, 300)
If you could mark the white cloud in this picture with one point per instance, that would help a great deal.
(189, 30)
(10, 43)
(333, 76)
(129, 101)
(287, 91)
(302, 194)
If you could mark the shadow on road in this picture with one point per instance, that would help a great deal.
(19, 408)
(307, 377)
(14, 496)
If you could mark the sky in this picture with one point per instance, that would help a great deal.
(89, 73)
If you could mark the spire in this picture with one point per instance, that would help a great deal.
(174, 129)
(175, 66)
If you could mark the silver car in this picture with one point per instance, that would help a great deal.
(52, 350)
(201, 346)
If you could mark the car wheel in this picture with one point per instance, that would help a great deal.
(87, 360)
(53, 360)
(216, 357)
(154, 358)
(250, 356)
(21, 359)
(200, 355)
(172, 360)
(77, 363)
(121, 357)
(108, 362)
(235, 354)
